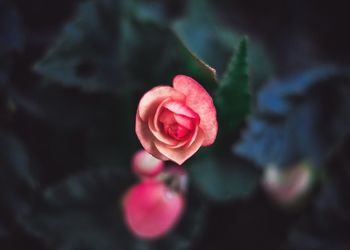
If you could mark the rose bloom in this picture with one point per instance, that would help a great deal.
(172, 123)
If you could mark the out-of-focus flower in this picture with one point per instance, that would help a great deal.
(172, 123)
(151, 208)
(146, 165)
(288, 186)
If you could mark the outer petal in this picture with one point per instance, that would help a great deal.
(198, 99)
(180, 155)
(151, 100)
(147, 139)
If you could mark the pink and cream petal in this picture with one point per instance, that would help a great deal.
(161, 136)
(147, 139)
(151, 99)
(194, 136)
(157, 114)
(198, 99)
(185, 121)
(180, 108)
(180, 155)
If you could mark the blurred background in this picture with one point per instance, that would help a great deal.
(72, 73)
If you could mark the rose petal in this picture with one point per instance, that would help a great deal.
(185, 121)
(179, 144)
(157, 114)
(198, 99)
(150, 101)
(180, 108)
(180, 155)
(193, 136)
(147, 139)
(161, 136)
(166, 117)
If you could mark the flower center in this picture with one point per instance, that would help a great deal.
(176, 131)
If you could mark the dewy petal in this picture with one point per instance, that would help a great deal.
(147, 139)
(180, 155)
(151, 100)
(198, 99)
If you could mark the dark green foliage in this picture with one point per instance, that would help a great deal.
(224, 180)
(206, 37)
(81, 56)
(17, 180)
(233, 95)
(212, 41)
(115, 47)
(72, 74)
(11, 39)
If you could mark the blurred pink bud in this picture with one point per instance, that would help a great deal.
(146, 165)
(151, 209)
(287, 186)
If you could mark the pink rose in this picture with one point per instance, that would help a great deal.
(172, 123)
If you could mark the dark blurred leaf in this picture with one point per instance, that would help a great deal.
(11, 39)
(303, 117)
(172, 57)
(85, 54)
(84, 212)
(115, 48)
(213, 42)
(78, 110)
(17, 181)
(224, 180)
(198, 69)
(10, 28)
(204, 35)
(94, 126)
(233, 96)
(326, 225)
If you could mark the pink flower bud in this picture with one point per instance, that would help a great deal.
(146, 165)
(287, 186)
(151, 209)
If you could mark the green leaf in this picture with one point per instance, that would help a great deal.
(17, 179)
(84, 212)
(206, 37)
(110, 49)
(213, 42)
(233, 95)
(197, 68)
(224, 180)
(85, 54)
